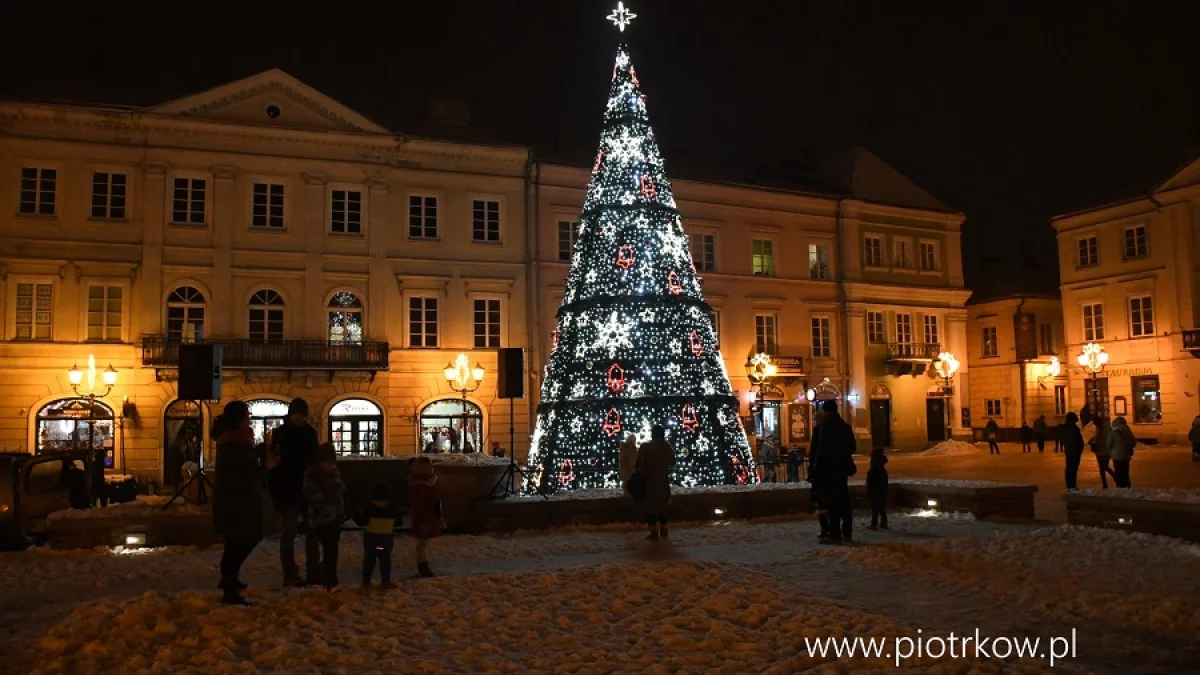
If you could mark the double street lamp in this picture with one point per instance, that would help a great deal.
(1092, 358)
(76, 376)
(760, 370)
(946, 366)
(464, 379)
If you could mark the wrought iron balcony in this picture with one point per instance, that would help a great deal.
(241, 354)
(913, 352)
(1191, 342)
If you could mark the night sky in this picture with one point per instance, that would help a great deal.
(1010, 113)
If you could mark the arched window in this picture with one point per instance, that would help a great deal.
(345, 318)
(266, 414)
(68, 424)
(266, 317)
(185, 314)
(451, 425)
(354, 426)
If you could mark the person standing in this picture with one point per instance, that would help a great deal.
(992, 432)
(99, 485)
(877, 488)
(654, 462)
(833, 464)
(294, 444)
(1026, 437)
(378, 519)
(325, 495)
(426, 508)
(1072, 441)
(1120, 445)
(627, 460)
(237, 496)
(1098, 442)
(1194, 438)
(770, 457)
(1039, 432)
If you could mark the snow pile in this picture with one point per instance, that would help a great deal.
(952, 448)
(950, 483)
(1077, 574)
(143, 505)
(668, 617)
(1177, 495)
(456, 458)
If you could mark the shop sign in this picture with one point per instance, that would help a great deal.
(788, 366)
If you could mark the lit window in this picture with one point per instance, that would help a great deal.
(991, 343)
(35, 311)
(345, 314)
(818, 262)
(764, 257)
(1147, 400)
(38, 188)
(108, 195)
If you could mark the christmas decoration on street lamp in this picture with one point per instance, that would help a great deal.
(946, 365)
(1092, 358)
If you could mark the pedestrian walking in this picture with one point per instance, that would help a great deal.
(992, 432)
(1194, 438)
(1026, 436)
(1039, 432)
(1098, 441)
(654, 462)
(877, 488)
(325, 495)
(1072, 441)
(378, 520)
(237, 496)
(832, 466)
(294, 445)
(425, 505)
(1121, 444)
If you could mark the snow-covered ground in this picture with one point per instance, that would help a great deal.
(723, 598)
(1181, 495)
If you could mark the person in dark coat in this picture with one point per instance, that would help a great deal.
(1039, 432)
(99, 485)
(1099, 446)
(325, 495)
(1072, 442)
(237, 496)
(425, 505)
(378, 519)
(1120, 445)
(833, 464)
(877, 488)
(294, 444)
(1194, 438)
(654, 462)
(992, 432)
(1026, 437)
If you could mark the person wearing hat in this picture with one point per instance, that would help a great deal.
(426, 508)
(294, 445)
(325, 496)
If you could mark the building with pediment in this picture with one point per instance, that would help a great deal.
(347, 263)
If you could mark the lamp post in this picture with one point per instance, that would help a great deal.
(75, 376)
(464, 380)
(946, 366)
(1093, 358)
(759, 369)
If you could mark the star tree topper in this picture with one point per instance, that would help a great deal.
(621, 16)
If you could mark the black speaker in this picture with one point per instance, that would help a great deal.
(200, 372)
(511, 378)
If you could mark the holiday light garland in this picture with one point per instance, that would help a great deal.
(634, 346)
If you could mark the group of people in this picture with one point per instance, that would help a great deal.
(306, 488)
(1112, 444)
(831, 464)
(645, 473)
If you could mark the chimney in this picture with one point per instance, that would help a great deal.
(449, 109)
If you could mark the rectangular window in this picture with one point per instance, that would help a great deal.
(991, 342)
(1136, 243)
(1046, 338)
(764, 333)
(1089, 252)
(345, 212)
(267, 205)
(704, 251)
(1093, 322)
(929, 257)
(875, 332)
(873, 251)
(1141, 317)
(487, 323)
(1147, 399)
(822, 345)
(104, 313)
(422, 322)
(930, 324)
(764, 258)
(422, 217)
(266, 324)
(992, 406)
(485, 220)
(1060, 399)
(818, 262)
(568, 232)
(108, 195)
(904, 329)
(903, 249)
(35, 311)
(715, 317)
(38, 188)
(188, 200)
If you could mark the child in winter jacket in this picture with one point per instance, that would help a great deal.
(325, 495)
(378, 519)
(877, 489)
(426, 509)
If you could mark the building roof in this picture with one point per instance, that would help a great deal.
(863, 175)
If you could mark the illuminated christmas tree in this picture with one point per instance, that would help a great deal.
(634, 345)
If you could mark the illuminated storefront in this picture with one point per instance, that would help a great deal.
(355, 426)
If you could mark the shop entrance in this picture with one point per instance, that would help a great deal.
(935, 418)
(183, 436)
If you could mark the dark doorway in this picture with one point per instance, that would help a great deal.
(881, 424)
(935, 418)
(1095, 391)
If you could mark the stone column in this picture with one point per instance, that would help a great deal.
(226, 321)
(312, 324)
(149, 287)
(956, 327)
(856, 365)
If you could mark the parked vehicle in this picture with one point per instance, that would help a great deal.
(31, 488)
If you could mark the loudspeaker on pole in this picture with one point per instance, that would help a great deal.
(511, 376)
(200, 372)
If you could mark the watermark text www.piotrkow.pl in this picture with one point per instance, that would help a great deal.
(901, 649)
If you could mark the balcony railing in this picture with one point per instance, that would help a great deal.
(1191, 341)
(913, 352)
(162, 352)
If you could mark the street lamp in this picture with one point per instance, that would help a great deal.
(946, 366)
(464, 380)
(75, 377)
(1093, 358)
(759, 369)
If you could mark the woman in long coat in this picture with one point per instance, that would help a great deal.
(654, 462)
(237, 496)
(627, 460)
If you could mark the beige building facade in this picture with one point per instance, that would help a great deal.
(1129, 285)
(346, 263)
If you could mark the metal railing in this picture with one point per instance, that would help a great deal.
(913, 351)
(1191, 339)
(243, 354)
